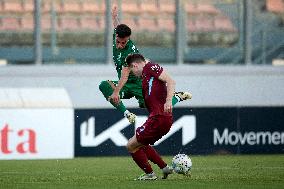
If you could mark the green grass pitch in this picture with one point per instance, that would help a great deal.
(216, 171)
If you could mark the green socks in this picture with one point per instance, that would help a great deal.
(107, 91)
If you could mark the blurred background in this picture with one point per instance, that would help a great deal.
(167, 31)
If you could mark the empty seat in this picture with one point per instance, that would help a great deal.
(91, 24)
(10, 24)
(190, 8)
(167, 6)
(191, 26)
(149, 6)
(71, 6)
(12, 6)
(101, 23)
(204, 24)
(68, 24)
(46, 23)
(93, 6)
(223, 24)
(207, 8)
(28, 5)
(148, 24)
(166, 24)
(130, 7)
(200, 8)
(27, 23)
(276, 6)
(47, 4)
(88, 23)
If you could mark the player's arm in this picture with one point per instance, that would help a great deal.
(124, 77)
(114, 14)
(165, 77)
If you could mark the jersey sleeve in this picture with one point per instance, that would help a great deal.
(154, 70)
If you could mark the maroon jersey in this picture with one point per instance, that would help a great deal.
(154, 90)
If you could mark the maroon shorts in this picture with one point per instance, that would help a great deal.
(153, 129)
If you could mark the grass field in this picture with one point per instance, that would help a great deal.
(224, 171)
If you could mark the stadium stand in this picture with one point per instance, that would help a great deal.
(13, 6)
(223, 24)
(166, 24)
(92, 24)
(208, 23)
(151, 15)
(46, 23)
(199, 8)
(27, 23)
(93, 7)
(68, 24)
(71, 6)
(149, 7)
(10, 24)
(47, 4)
(276, 6)
(28, 5)
(129, 7)
(167, 6)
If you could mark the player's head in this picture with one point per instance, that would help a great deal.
(136, 62)
(123, 33)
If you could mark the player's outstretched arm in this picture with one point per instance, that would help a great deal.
(114, 14)
(170, 90)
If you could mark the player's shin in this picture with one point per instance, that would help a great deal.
(107, 91)
(153, 156)
(141, 160)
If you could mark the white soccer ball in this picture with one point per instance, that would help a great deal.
(181, 164)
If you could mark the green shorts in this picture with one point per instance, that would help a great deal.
(130, 90)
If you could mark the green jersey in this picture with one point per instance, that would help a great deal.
(119, 56)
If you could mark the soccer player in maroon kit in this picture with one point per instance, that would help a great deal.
(157, 89)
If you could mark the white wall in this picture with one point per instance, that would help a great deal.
(211, 86)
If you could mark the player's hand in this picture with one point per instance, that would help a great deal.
(168, 106)
(115, 98)
(114, 12)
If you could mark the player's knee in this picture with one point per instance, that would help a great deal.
(129, 147)
(103, 85)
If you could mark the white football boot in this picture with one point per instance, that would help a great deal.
(131, 117)
(150, 176)
(166, 171)
(183, 95)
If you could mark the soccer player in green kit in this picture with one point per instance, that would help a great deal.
(128, 85)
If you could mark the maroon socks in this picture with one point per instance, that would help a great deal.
(144, 154)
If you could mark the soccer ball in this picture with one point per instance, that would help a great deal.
(181, 164)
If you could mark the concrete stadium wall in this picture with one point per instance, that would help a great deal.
(211, 86)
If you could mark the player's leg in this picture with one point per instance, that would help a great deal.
(150, 132)
(136, 89)
(157, 128)
(156, 158)
(181, 96)
(153, 156)
(107, 88)
(140, 158)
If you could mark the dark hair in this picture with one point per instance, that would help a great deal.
(123, 31)
(134, 58)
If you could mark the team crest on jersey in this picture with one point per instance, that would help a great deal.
(156, 68)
